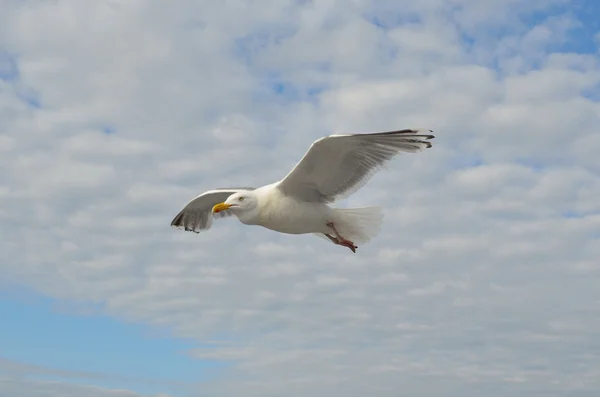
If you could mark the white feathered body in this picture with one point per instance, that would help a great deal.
(288, 214)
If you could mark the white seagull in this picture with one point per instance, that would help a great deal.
(333, 168)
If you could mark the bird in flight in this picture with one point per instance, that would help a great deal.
(334, 167)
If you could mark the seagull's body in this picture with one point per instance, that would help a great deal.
(334, 167)
(287, 214)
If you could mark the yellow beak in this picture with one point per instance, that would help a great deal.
(220, 207)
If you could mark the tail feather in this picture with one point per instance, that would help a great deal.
(358, 225)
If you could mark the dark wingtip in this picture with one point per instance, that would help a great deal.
(396, 132)
(176, 222)
(428, 136)
(405, 131)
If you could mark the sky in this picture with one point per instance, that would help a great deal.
(484, 279)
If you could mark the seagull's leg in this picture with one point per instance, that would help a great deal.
(333, 239)
(339, 239)
(342, 241)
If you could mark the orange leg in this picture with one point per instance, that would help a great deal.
(339, 240)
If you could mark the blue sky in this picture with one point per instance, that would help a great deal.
(105, 137)
(120, 353)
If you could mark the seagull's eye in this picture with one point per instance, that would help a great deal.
(241, 198)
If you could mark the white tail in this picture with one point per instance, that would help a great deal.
(358, 225)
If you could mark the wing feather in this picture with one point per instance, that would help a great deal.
(197, 215)
(338, 165)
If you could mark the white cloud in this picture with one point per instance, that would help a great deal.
(478, 281)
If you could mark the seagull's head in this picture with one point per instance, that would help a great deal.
(243, 204)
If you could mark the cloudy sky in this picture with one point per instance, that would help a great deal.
(483, 281)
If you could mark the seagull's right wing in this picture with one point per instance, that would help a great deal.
(337, 165)
(197, 214)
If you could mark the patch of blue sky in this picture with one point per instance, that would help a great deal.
(8, 66)
(248, 46)
(571, 214)
(108, 129)
(388, 19)
(275, 87)
(289, 91)
(475, 162)
(31, 98)
(582, 37)
(536, 166)
(284, 86)
(9, 72)
(463, 162)
(280, 88)
(592, 93)
(40, 335)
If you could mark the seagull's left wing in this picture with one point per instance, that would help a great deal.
(337, 165)
(197, 214)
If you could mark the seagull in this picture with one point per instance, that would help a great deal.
(333, 168)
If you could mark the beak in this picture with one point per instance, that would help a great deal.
(220, 207)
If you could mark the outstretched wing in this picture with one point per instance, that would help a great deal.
(197, 214)
(338, 165)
